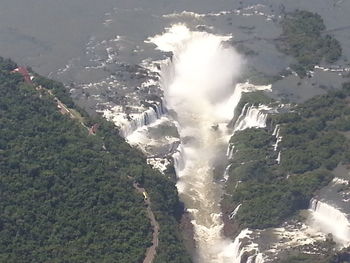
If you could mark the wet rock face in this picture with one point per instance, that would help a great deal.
(342, 256)
(117, 72)
(187, 231)
(231, 228)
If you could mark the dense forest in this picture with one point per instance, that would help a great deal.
(342, 256)
(305, 39)
(314, 142)
(67, 195)
(315, 139)
(272, 182)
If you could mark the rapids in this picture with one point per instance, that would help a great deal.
(199, 86)
(328, 219)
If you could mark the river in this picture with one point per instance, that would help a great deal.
(116, 55)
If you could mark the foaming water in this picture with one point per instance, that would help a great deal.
(329, 219)
(198, 84)
(252, 116)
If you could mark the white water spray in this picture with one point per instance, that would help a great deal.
(328, 219)
(129, 123)
(252, 116)
(199, 86)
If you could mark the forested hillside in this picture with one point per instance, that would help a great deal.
(315, 139)
(271, 183)
(67, 195)
(306, 39)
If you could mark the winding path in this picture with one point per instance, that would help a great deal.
(152, 250)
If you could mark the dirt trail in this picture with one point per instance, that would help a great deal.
(152, 250)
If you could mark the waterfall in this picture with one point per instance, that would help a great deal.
(242, 247)
(243, 112)
(232, 215)
(238, 243)
(179, 159)
(230, 151)
(226, 174)
(136, 121)
(278, 159)
(128, 123)
(276, 130)
(276, 133)
(198, 86)
(256, 258)
(259, 258)
(252, 116)
(329, 219)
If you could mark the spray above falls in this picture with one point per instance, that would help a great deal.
(328, 219)
(200, 76)
(198, 84)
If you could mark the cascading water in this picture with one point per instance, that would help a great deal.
(197, 82)
(276, 133)
(244, 250)
(329, 219)
(232, 215)
(252, 116)
(130, 123)
(147, 117)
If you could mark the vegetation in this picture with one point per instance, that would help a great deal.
(342, 256)
(57, 89)
(258, 78)
(252, 98)
(67, 196)
(305, 258)
(245, 50)
(326, 256)
(312, 146)
(303, 38)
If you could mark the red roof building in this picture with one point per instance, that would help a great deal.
(24, 72)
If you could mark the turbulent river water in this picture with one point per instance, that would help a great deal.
(198, 83)
(114, 60)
